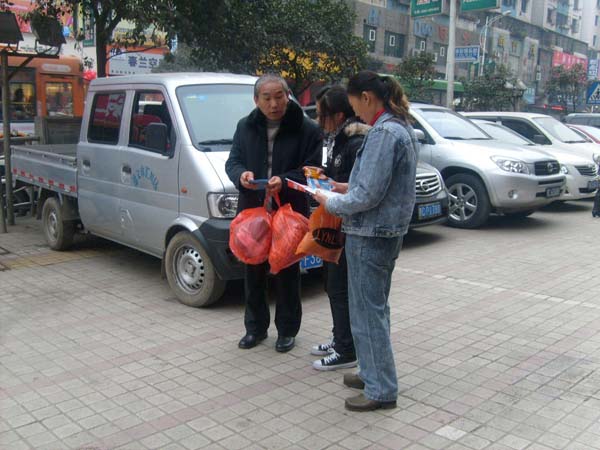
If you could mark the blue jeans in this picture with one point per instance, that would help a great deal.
(371, 261)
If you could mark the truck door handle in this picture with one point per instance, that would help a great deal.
(126, 169)
(86, 163)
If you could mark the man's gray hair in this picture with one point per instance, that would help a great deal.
(267, 78)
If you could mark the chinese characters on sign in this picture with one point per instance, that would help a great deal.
(592, 69)
(471, 5)
(467, 54)
(420, 8)
(567, 60)
(134, 63)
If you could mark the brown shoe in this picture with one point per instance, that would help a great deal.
(353, 381)
(360, 403)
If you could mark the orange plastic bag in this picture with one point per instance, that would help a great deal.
(288, 227)
(324, 238)
(250, 235)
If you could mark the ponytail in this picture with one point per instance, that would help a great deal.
(385, 88)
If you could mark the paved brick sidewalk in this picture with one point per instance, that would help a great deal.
(495, 331)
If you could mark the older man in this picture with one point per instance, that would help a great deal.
(273, 142)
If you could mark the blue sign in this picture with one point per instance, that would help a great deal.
(592, 69)
(467, 54)
(593, 94)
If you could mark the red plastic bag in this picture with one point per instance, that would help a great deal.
(288, 227)
(250, 235)
(324, 238)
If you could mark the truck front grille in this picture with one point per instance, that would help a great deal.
(550, 167)
(588, 170)
(427, 184)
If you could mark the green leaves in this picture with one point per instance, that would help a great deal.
(416, 75)
(567, 86)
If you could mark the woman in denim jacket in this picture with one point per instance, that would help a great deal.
(376, 207)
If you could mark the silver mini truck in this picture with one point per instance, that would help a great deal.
(149, 173)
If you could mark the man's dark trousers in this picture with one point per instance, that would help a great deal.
(288, 310)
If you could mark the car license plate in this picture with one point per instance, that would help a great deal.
(310, 262)
(553, 192)
(430, 210)
(593, 184)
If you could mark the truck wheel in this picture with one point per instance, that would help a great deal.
(59, 232)
(190, 271)
(469, 202)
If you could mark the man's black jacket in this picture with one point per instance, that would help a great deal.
(298, 143)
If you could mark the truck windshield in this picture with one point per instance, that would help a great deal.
(212, 112)
(450, 125)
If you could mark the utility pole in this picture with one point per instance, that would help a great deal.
(451, 56)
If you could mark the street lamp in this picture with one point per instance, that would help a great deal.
(483, 34)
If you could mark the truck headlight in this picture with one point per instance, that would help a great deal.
(564, 169)
(222, 205)
(511, 165)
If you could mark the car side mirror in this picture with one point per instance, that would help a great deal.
(157, 137)
(539, 139)
(420, 135)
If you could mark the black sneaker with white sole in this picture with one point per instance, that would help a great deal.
(335, 361)
(322, 349)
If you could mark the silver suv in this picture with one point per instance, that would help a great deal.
(483, 176)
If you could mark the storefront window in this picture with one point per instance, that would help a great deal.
(59, 99)
(22, 97)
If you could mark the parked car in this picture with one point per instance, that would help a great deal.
(581, 175)
(543, 130)
(592, 119)
(592, 134)
(431, 206)
(483, 175)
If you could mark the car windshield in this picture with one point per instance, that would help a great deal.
(558, 130)
(212, 111)
(450, 125)
(502, 133)
(592, 131)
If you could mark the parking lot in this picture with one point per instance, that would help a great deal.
(496, 333)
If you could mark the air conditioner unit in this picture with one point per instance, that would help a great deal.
(435, 57)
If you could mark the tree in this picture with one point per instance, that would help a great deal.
(416, 74)
(304, 40)
(567, 86)
(491, 92)
(149, 16)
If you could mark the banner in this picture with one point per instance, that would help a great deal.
(567, 60)
(420, 8)
(472, 5)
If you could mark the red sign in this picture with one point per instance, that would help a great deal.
(567, 60)
(20, 7)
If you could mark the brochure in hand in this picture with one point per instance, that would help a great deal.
(324, 186)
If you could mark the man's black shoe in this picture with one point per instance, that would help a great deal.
(251, 340)
(285, 343)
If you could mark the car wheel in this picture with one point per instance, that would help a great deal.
(190, 272)
(469, 202)
(59, 232)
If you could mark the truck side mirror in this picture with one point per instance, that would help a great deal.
(157, 137)
(539, 139)
(420, 135)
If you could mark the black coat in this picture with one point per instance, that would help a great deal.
(347, 143)
(298, 143)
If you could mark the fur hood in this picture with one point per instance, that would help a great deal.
(356, 129)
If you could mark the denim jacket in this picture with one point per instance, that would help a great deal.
(381, 191)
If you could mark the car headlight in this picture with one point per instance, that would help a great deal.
(597, 158)
(511, 165)
(222, 205)
(564, 169)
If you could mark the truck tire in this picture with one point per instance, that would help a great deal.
(469, 202)
(190, 272)
(59, 232)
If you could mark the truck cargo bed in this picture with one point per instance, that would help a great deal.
(52, 167)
